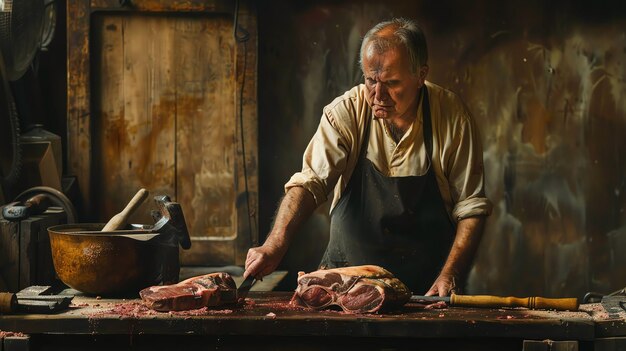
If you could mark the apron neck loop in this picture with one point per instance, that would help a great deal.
(427, 125)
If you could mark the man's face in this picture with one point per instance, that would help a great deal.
(392, 89)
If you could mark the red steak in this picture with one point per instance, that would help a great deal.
(357, 289)
(206, 290)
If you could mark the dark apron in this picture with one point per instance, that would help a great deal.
(398, 223)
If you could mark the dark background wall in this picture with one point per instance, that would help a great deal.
(545, 82)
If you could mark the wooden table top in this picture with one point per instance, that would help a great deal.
(269, 313)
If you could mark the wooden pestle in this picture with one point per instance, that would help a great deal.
(119, 220)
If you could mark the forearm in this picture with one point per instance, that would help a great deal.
(295, 208)
(468, 235)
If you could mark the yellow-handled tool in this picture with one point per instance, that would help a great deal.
(488, 301)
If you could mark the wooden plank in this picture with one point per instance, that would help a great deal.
(109, 132)
(271, 315)
(36, 267)
(214, 6)
(610, 344)
(29, 231)
(550, 345)
(206, 125)
(9, 255)
(535, 345)
(135, 111)
(78, 99)
(17, 343)
(277, 343)
(206, 135)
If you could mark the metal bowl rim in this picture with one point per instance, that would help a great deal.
(69, 229)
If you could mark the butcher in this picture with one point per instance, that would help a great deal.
(403, 159)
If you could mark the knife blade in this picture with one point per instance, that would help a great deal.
(430, 299)
(244, 288)
(488, 301)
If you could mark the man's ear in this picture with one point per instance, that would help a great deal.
(423, 73)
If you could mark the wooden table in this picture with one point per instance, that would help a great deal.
(267, 321)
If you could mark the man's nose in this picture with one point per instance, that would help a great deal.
(381, 92)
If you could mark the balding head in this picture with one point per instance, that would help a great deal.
(396, 33)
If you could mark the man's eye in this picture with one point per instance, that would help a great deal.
(370, 81)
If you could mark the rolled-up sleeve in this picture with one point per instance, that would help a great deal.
(323, 161)
(466, 172)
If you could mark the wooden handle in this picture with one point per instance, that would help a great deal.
(38, 204)
(119, 220)
(561, 304)
(8, 303)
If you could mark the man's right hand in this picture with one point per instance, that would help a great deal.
(263, 260)
(295, 208)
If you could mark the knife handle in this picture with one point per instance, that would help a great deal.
(561, 304)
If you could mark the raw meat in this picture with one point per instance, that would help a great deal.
(357, 289)
(202, 291)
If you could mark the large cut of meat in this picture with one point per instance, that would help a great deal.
(357, 289)
(206, 290)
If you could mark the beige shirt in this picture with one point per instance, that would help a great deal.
(333, 152)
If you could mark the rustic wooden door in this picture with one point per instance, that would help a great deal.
(162, 95)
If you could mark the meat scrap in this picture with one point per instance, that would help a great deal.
(356, 289)
(207, 290)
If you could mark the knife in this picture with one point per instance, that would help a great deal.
(35, 205)
(489, 301)
(242, 290)
(20, 303)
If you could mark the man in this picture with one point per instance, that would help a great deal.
(405, 162)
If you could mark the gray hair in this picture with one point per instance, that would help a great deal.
(405, 32)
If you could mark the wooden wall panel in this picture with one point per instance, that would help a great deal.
(135, 102)
(206, 125)
(165, 102)
(164, 108)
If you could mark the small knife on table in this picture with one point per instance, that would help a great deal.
(488, 301)
(23, 303)
(242, 290)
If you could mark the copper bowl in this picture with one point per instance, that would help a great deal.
(111, 263)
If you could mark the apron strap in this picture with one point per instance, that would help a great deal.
(428, 130)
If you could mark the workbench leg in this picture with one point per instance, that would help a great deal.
(549, 345)
(16, 343)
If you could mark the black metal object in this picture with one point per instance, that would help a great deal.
(170, 220)
(614, 303)
(21, 24)
(39, 299)
(10, 158)
(593, 296)
(49, 24)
